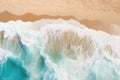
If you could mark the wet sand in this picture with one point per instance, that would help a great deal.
(94, 24)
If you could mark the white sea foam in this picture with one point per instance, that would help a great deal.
(61, 50)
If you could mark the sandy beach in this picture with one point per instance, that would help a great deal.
(97, 14)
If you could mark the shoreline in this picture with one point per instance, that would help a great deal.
(94, 24)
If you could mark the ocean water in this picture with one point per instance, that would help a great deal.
(57, 50)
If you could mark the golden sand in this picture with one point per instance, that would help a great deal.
(97, 14)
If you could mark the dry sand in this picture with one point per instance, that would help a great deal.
(97, 14)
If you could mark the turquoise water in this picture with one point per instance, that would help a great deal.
(29, 63)
(58, 52)
(13, 69)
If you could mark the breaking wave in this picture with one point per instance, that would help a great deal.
(57, 50)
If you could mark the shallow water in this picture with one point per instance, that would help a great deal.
(57, 50)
